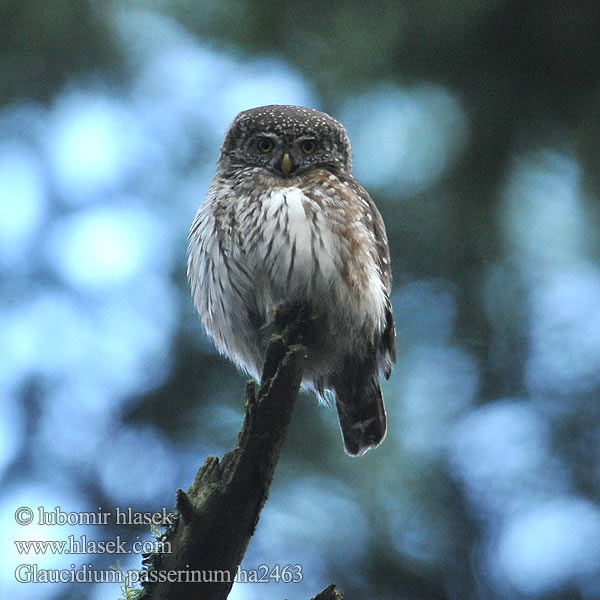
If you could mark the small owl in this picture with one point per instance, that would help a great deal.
(286, 225)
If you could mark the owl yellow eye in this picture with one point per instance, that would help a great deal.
(308, 146)
(265, 144)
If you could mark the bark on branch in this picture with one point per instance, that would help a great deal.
(217, 516)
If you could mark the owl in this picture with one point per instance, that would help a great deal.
(285, 225)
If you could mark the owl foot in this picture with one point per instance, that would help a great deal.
(296, 320)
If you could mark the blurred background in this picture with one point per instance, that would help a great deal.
(475, 126)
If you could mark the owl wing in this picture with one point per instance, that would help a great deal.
(388, 338)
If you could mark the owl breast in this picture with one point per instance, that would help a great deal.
(251, 252)
(298, 257)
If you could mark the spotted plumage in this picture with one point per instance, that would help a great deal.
(284, 224)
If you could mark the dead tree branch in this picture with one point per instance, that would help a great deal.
(217, 516)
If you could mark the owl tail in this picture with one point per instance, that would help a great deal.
(361, 411)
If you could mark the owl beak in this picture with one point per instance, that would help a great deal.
(286, 164)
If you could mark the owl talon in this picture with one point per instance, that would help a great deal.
(299, 321)
(284, 313)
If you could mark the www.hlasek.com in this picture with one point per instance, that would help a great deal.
(82, 545)
(32, 573)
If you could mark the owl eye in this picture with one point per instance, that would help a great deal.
(308, 146)
(264, 144)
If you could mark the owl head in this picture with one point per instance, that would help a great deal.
(286, 140)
